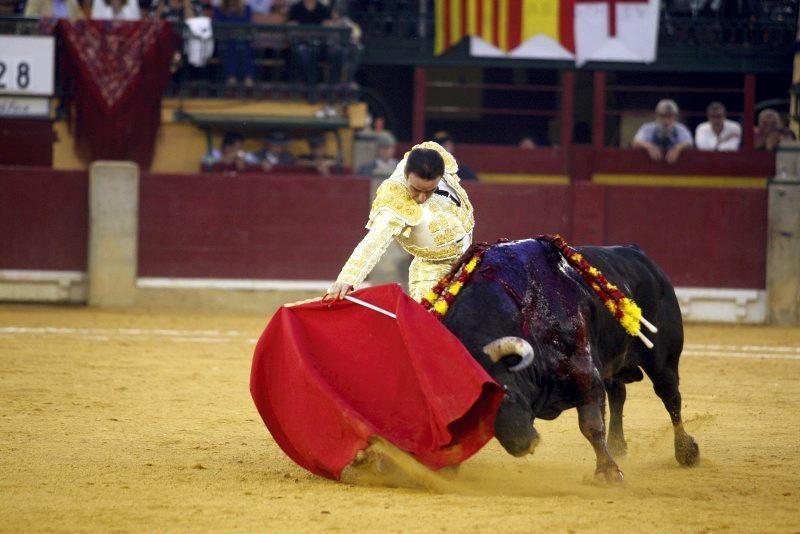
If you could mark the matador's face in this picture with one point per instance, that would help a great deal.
(420, 188)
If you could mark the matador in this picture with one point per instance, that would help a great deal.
(422, 206)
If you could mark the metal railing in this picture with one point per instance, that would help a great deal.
(19, 25)
(401, 24)
(719, 33)
(272, 48)
(278, 72)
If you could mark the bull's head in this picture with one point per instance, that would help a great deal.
(513, 424)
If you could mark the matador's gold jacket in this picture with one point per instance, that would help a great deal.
(435, 232)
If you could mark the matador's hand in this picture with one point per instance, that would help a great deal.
(337, 291)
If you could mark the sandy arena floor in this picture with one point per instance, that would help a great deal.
(143, 422)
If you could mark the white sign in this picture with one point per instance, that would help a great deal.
(25, 106)
(26, 65)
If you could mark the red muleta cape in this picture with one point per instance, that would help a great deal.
(327, 376)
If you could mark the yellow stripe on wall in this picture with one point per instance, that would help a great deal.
(656, 180)
(540, 17)
(503, 178)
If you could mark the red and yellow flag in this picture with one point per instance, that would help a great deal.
(504, 23)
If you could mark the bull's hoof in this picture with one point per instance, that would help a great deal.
(686, 451)
(610, 475)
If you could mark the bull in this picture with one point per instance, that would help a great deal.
(535, 325)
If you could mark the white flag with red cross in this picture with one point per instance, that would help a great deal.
(616, 30)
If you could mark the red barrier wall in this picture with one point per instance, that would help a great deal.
(43, 219)
(511, 159)
(26, 142)
(701, 237)
(249, 226)
(304, 226)
(236, 226)
(520, 211)
(508, 159)
(581, 161)
(758, 163)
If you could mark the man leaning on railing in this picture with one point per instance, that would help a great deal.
(717, 133)
(664, 138)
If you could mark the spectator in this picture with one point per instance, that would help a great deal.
(317, 158)
(198, 45)
(231, 155)
(116, 10)
(269, 44)
(770, 131)
(718, 133)
(665, 138)
(276, 151)
(177, 10)
(345, 55)
(238, 52)
(446, 141)
(260, 8)
(279, 14)
(309, 12)
(527, 142)
(385, 160)
(309, 50)
(208, 8)
(269, 11)
(60, 9)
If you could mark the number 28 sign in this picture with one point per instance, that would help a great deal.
(26, 65)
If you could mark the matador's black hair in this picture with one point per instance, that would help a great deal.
(425, 163)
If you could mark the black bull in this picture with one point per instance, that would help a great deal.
(527, 290)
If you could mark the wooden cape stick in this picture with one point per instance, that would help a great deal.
(351, 299)
(371, 306)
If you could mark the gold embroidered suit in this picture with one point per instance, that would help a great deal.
(435, 232)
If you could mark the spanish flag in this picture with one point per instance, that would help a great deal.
(504, 23)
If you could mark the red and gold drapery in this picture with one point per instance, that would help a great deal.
(113, 76)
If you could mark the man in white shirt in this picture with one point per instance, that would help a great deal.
(718, 133)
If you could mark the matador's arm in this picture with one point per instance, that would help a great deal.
(383, 228)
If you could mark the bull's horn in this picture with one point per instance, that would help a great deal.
(506, 346)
